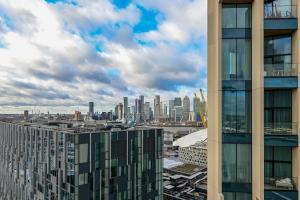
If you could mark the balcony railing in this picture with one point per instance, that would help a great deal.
(279, 12)
(280, 70)
(287, 128)
(284, 183)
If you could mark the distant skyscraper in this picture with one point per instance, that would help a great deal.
(26, 115)
(125, 112)
(171, 107)
(120, 111)
(186, 108)
(147, 111)
(157, 108)
(195, 107)
(177, 101)
(141, 102)
(91, 108)
(165, 110)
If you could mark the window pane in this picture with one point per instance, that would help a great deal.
(268, 169)
(283, 170)
(268, 153)
(283, 154)
(243, 196)
(282, 99)
(244, 111)
(229, 112)
(83, 153)
(229, 162)
(229, 55)
(244, 59)
(229, 16)
(244, 163)
(229, 195)
(244, 16)
(283, 45)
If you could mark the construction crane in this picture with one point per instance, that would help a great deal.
(204, 103)
(203, 119)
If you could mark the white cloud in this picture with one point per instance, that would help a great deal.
(46, 61)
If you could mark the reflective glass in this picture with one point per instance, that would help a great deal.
(243, 16)
(244, 163)
(229, 162)
(229, 16)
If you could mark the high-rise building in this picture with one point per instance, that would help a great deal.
(125, 112)
(186, 108)
(196, 110)
(147, 111)
(120, 111)
(26, 115)
(171, 107)
(91, 108)
(157, 108)
(141, 107)
(253, 99)
(177, 101)
(165, 110)
(43, 161)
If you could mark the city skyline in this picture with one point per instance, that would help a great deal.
(99, 56)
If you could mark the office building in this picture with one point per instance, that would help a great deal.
(56, 160)
(157, 109)
(125, 112)
(147, 111)
(171, 106)
(26, 115)
(186, 108)
(177, 101)
(91, 108)
(141, 108)
(120, 111)
(253, 100)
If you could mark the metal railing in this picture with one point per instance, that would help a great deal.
(280, 11)
(281, 183)
(280, 70)
(285, 128)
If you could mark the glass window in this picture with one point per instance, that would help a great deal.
(229, 162)
(278, 162)
(83, 153)
(236, 112)
(244, 163)
(229, 16)
(236, 59)
(243, 16)
(278, 108)
(236, 165)
(278, 50)
(237, 196)
(236, 16)
(83, 179)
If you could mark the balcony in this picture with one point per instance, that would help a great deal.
(280, 12)
(280, 19)
(287, 128)
(284, 183)
(281, 76)
(280, 70)
(281, 134)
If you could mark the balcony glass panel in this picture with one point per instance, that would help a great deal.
(277, 183)
(280, 9)
(280, 70)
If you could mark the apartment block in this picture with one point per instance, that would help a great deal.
(59, 161)
(253, 99)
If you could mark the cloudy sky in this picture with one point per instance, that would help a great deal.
(57, 55)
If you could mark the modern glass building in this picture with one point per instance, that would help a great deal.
(44, 162)
(253, 99)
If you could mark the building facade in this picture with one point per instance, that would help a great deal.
(253, 99)
(41, 161)
(195, 154)
(186, 108)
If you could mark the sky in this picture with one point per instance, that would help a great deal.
(57, 55)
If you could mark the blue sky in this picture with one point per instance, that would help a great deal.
(57, 55)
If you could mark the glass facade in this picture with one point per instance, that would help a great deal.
(236, 59)
(278, 162)
(236, 103)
